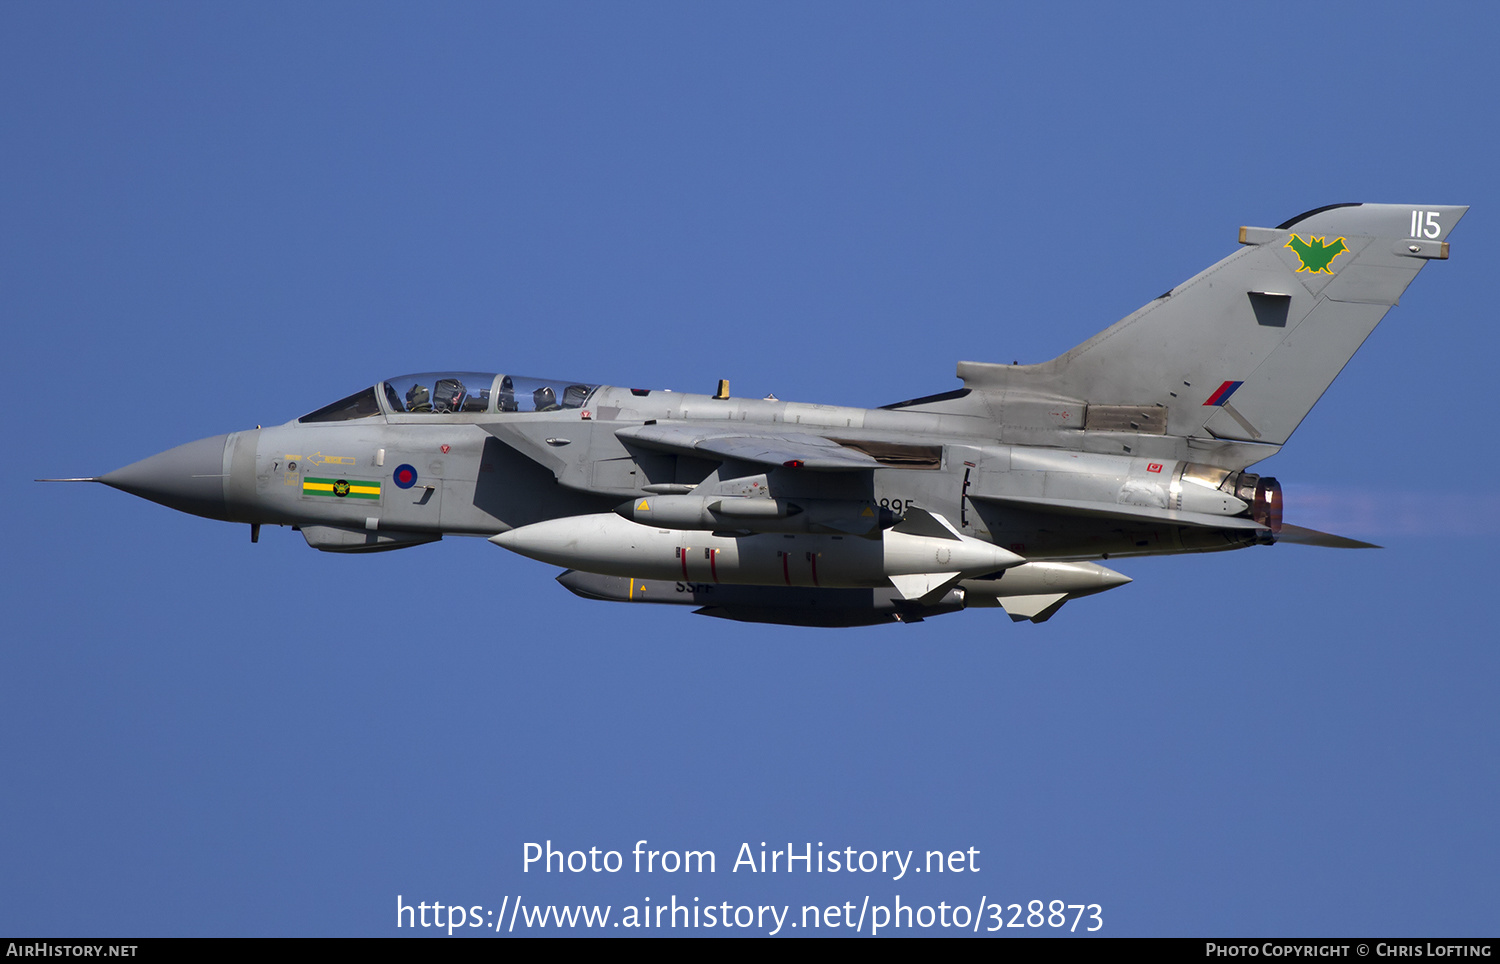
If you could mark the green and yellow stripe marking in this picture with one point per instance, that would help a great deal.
(341, 488)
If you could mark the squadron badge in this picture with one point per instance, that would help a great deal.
(1315, 255)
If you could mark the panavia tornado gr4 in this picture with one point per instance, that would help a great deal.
(997, 494)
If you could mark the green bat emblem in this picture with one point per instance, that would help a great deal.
(1315, 255)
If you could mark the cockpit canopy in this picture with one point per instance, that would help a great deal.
(456, 393)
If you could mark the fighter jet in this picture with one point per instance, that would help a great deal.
(1001, 493)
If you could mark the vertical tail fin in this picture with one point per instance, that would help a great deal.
(1245, 349)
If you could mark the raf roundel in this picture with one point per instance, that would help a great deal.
(405, 476)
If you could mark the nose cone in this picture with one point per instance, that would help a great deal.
(1080, 578)
(189, 478)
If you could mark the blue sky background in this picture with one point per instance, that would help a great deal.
(218, 215)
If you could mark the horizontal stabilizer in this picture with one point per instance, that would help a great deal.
(1312, 537)
(1129, 513)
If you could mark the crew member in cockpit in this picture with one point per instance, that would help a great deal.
(449, 394)
(418, 399)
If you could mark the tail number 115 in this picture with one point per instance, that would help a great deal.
(1424, 224)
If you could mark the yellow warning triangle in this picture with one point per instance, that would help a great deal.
(868, 512)
(643, 507)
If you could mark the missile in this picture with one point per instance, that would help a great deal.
(1041, 577)
(920, 556)
(1037, 590)
(1033, 590)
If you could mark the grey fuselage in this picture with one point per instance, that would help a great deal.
(485, 473)
(1135, 442)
